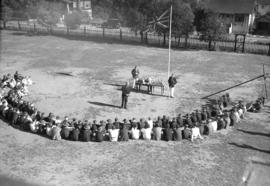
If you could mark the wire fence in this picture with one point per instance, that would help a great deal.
(150, 39)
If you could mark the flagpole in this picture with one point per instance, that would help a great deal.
(170, 38)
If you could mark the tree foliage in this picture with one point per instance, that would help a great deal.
(183, 17)
(73, 20)
(47, 13)
(212, 26)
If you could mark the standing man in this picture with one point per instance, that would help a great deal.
(172, 82)
(135, 74)
(125, 94)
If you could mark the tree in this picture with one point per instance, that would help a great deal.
(73, 20)
(47, 13)
(212, 28)
(182, 20)
(6, 14)
(135, 20)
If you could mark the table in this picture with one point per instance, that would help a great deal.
(151, 87)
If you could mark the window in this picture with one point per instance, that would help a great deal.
(239, 18)
(87, 4)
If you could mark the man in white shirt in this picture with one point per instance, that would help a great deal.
(135, 133)
(146, 132)
(150, 123)
(113, 133)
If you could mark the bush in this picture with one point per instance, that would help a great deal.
(85, 18)
(73, 20)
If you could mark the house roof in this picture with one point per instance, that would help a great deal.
(265, 18)
(263, 2)
(231, 6)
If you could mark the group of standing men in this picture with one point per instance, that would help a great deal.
(126, 89)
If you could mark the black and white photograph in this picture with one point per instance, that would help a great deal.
(134, 92)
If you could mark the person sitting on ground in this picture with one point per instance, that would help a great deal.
(146, 132)
(195, 133)
(56, 132)
(228, 98)
(15, 117)
(254, 107)
(177, 133)
(157, 130)
(86, 132)
(116, 123)
(193, 119)
(167, 133)
(114, 134)
(75, 133)
(66, 129)
(109, 125)
(141, 124)
(220, 123)
(224, 101)
(99, 134)
(150, 123)
(188, 120)
(124, 131)
(227, 120)
(198, 116)
(186, 132)
(135, 132)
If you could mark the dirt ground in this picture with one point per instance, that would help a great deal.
(91, 93)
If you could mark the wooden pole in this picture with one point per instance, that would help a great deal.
(265, 87)
(268, 49)
(233, 86)
(170, 38)
(235, 42)
(243, 46)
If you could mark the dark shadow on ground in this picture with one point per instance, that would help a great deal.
(254, 133)
(103, 104)
(19, 34)
(144, 92)
(64, 73)
(9, 181)
(249, 147)
(114, 84)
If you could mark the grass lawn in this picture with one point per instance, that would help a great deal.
(91, 94)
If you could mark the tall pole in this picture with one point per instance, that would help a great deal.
(170, 39)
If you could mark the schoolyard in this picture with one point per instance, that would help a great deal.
(92, 92)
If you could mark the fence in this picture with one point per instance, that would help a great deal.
(117, 35)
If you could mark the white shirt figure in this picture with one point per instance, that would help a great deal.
(114, 133)
(146, 133)
(150, 123)
(135, 133)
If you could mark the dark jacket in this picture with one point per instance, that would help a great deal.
(172, 81)
(168, 133)
(125, 90)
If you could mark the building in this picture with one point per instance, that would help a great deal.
(263, 24)
(238, 15)
(262, 7)
(83, 5)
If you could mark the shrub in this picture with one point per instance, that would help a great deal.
(73, 20)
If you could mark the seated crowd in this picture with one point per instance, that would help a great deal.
(212, 117)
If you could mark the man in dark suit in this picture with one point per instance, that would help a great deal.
(125, 94)
(172, 82)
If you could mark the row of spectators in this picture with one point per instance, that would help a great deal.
(214, 116)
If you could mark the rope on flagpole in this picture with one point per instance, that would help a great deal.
(170, 38)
